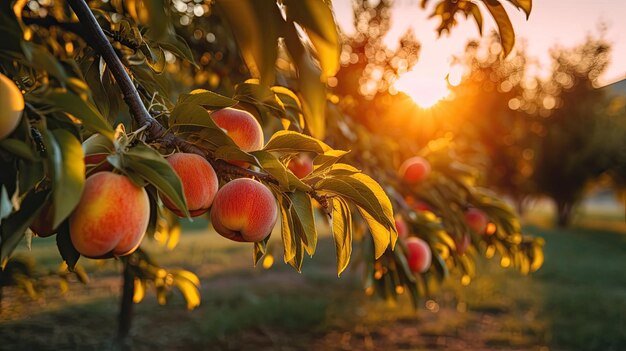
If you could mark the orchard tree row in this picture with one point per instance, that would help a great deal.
(120, 117)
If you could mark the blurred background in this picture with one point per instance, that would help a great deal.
(545, 127)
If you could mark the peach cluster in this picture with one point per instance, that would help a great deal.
(112, 215)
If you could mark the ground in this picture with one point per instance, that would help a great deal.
(577, 301)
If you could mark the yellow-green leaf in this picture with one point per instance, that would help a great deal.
(301, 205)
(342, 233)
(505, 28)
(289, 141)
(65, 158)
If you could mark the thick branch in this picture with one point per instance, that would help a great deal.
(98, 40)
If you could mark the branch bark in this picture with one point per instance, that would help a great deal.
(95, 36)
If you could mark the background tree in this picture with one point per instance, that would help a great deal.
(490, 126)
(577, 143)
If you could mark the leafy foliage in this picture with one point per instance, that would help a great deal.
(289, 53)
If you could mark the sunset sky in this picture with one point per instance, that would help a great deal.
(563, 22)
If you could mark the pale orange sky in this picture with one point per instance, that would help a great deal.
(565, 22)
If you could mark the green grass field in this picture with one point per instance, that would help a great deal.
(577, 301)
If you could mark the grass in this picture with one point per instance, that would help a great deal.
(577, 301)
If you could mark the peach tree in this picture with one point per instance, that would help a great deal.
(119, 117)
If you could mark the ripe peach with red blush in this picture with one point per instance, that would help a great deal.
(199, 182)
(418, 255)
(241, 127)
(301, 166)
(244, 210)
(414, 170)
(476, 220)
(111, 216)
(42, 224)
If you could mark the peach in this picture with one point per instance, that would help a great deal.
(402, 227)
(111, 216)
(244, 210)
(418, 205)
(414, 170)
(418, 254)
(199, 183)
(96, 149)
(462, 243)
(11, 106)
(301, 166)
(241, 127)
(42, 224)
(476, 220)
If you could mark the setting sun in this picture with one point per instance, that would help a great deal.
(425, 90)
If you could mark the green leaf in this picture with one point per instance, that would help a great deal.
(298, 258)
(342, 233)
(255, 25)
(155, 58)
(191, 113)
(29, 175)
(313, 96)
(323, 163)
(372, 202)
(151, 166)
(357, 192)
(293, 107)
(286, 225)
(234, 153)
(204, 137)
(207, 99)
(67, 250)
(42, 59)
(85, 111)
(316, 17)
(178, 46)
(381, 234)
(289, 141)
(272, 165)
(19, 149)
(65, 159)
(158, 21)
(13, 227)
(301, 206)
(311, 89)
(261, 97)
(260, 247)
(505, 28)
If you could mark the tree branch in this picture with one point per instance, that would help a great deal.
(98, 40)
